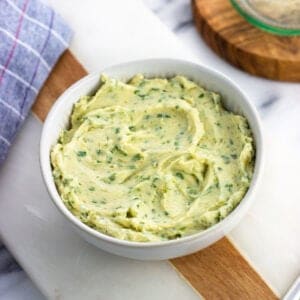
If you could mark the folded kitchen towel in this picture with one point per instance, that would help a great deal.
(32, 37)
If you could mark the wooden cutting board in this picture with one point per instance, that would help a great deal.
(217, 272)
(245, 46)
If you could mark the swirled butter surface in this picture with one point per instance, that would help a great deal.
(152, 159)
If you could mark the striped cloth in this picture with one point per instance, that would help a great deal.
(32, 37)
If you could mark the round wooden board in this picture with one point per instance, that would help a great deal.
(245, 46)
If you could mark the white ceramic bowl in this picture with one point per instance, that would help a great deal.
(233, 98)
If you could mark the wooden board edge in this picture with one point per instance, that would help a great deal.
(67, 71)
(221, 272)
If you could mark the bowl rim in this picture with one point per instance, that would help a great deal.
(55, 197)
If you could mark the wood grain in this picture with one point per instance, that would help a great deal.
(220, 272)
(244, 45)
(217, 272)
(66, 71)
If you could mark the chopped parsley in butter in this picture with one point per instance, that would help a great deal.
(152, 159)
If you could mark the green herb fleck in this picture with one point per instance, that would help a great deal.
(81, 153)
(136, 157)
(70, 203)
(137, 92)
(66, 181)
(228, 186)
(116, 148)
(179, 175)
(142, 83)
(163, 116)
(226, 159)
(112, 177)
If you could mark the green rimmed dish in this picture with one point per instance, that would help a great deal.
(274, 16)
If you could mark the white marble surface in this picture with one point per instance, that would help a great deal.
(269, 235)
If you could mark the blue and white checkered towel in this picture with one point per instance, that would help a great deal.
(32, 37)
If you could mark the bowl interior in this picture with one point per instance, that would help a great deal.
(58, 118)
